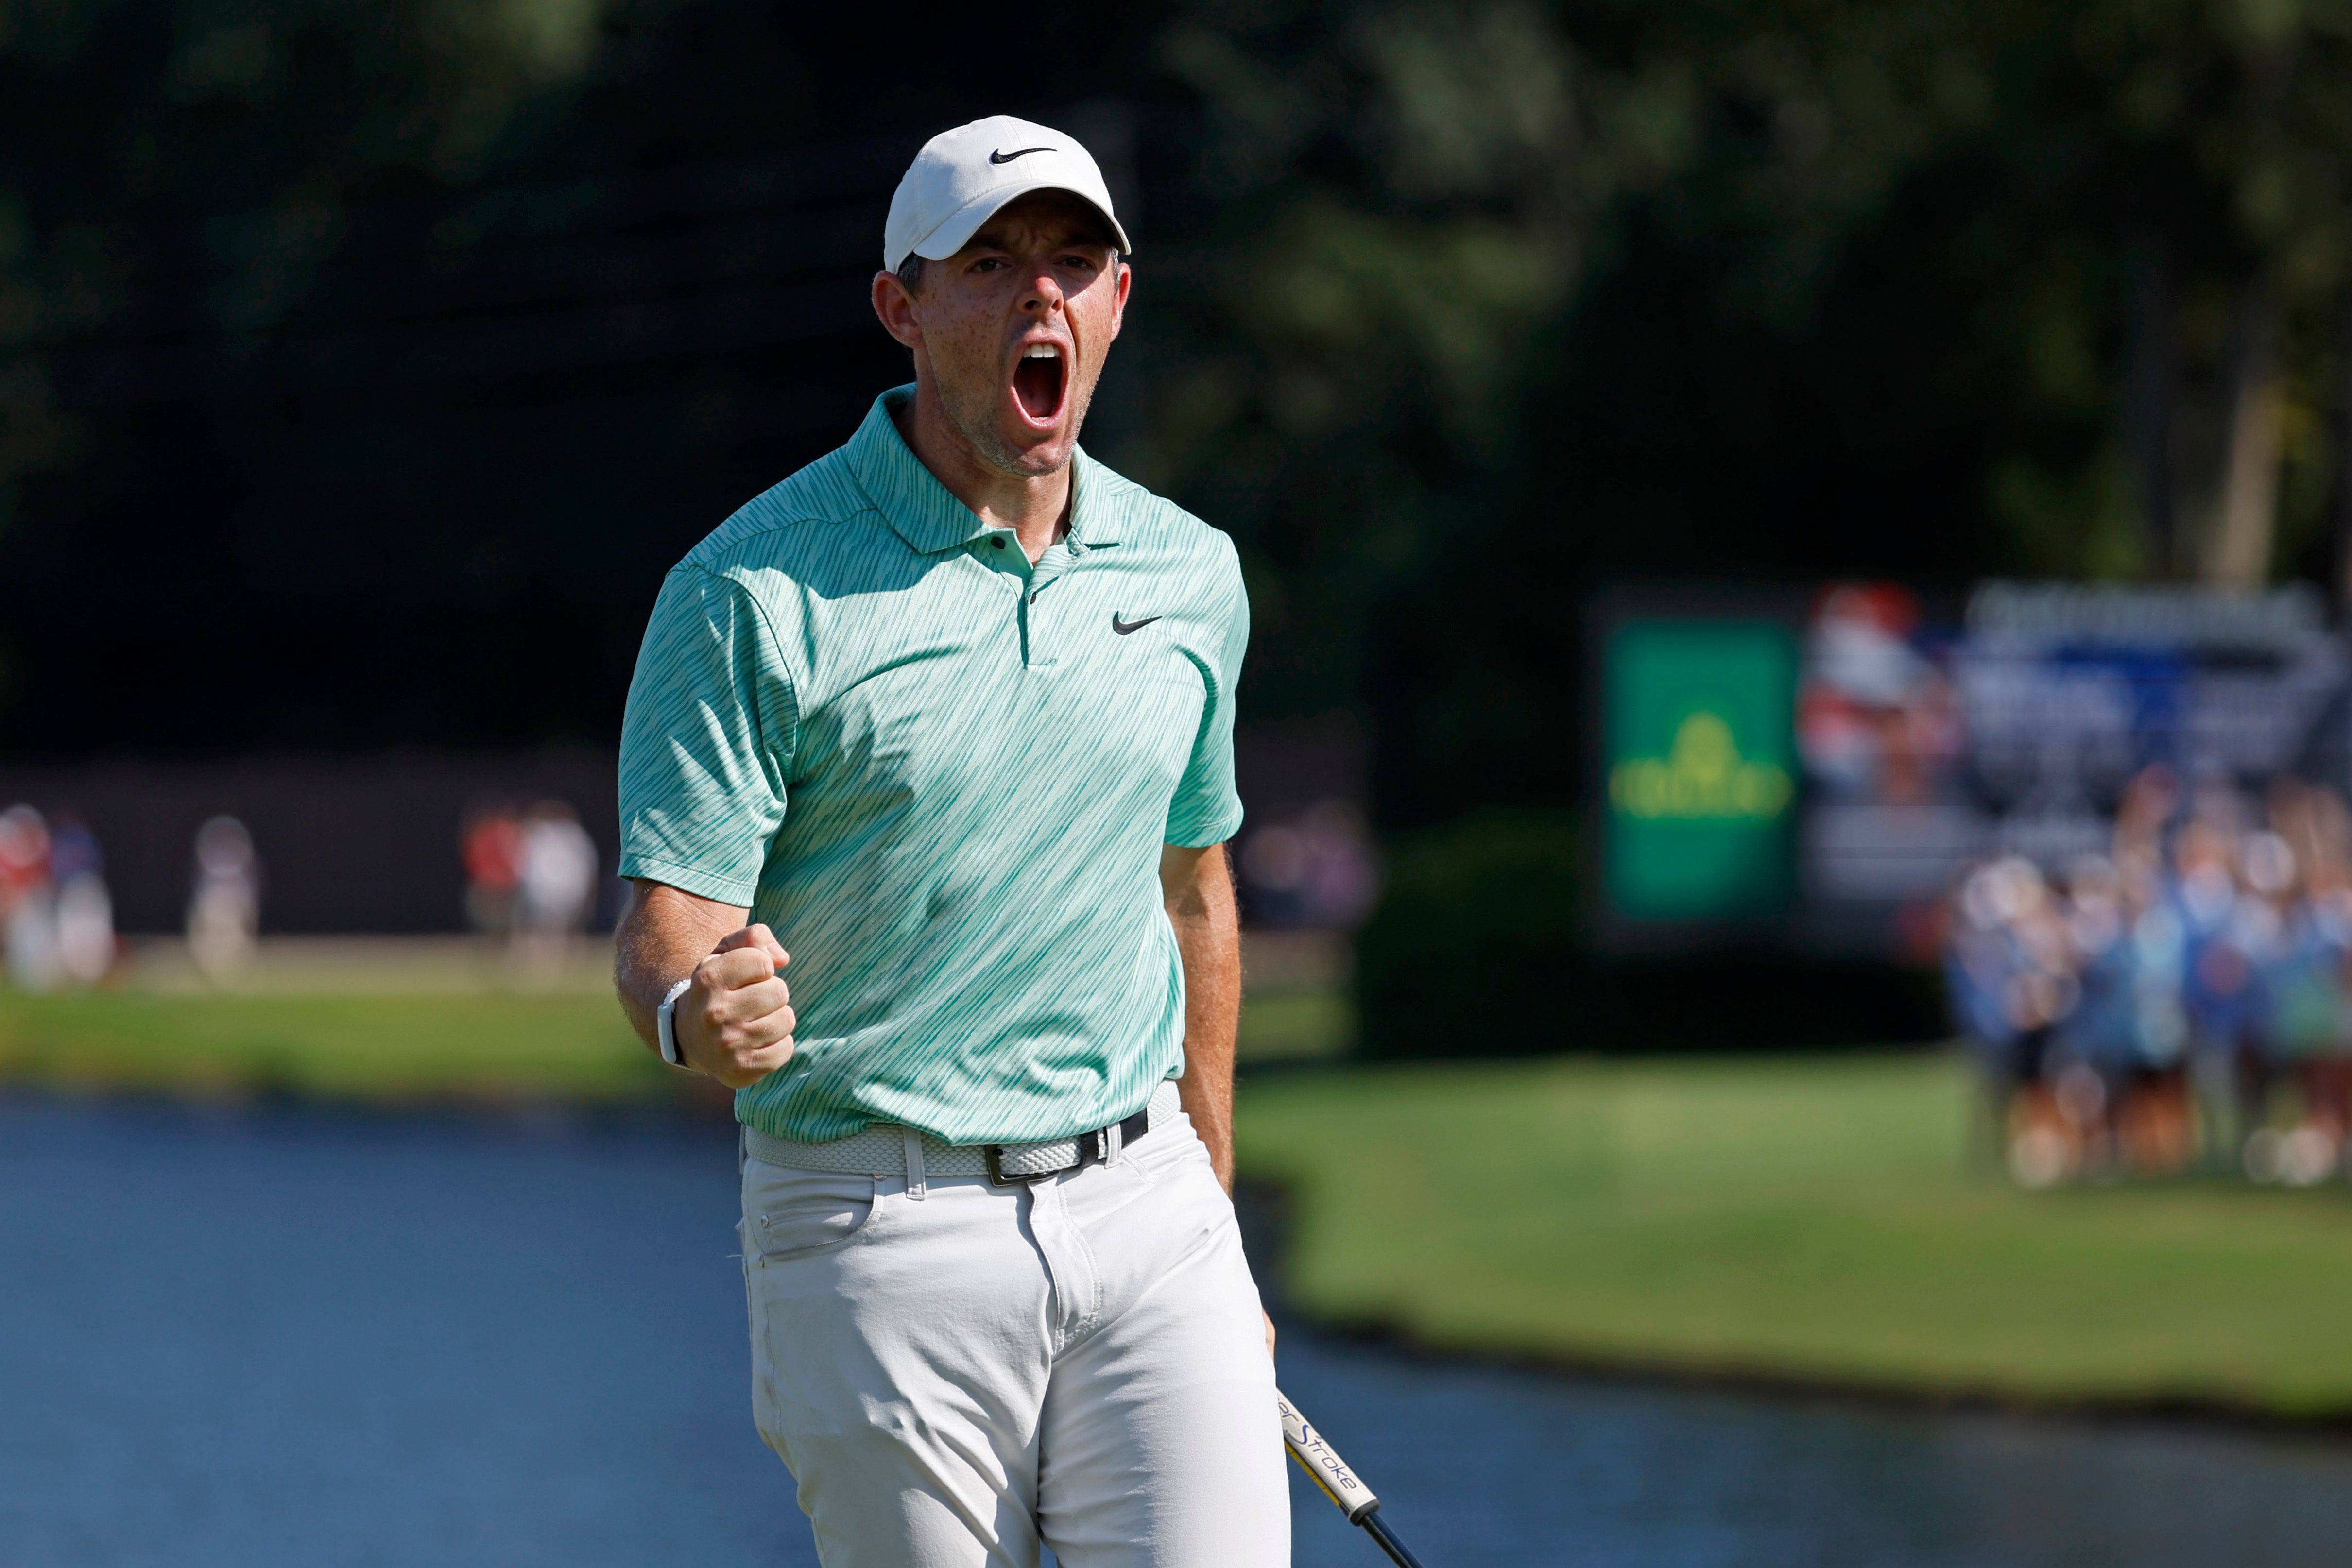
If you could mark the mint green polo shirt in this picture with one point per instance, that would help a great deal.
(943, 777)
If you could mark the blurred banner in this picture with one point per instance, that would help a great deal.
(1700, 772)
(1817, 770)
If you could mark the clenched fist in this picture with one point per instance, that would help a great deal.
(735, 1022)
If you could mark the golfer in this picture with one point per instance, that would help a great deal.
(944, 723)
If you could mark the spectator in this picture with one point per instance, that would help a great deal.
(225, 906)
(556, 881)
(28, 909)
(2212, 951)
(493, 851)
(86, 944)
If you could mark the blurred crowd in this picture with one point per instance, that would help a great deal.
(56, 919)
(531, 885)
(531, 880)
(2180, 1001)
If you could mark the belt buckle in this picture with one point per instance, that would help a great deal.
(993, 1155)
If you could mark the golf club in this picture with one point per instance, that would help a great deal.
(1339, 1482)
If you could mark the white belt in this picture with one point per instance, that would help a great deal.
(887, 1149)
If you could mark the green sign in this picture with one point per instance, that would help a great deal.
(1701, 738)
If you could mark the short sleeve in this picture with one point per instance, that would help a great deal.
(1207, 808)
(705, 742)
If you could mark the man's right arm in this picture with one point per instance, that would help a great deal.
(735, 1021)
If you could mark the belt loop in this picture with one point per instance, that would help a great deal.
(915, 1185)
(1114, 1139)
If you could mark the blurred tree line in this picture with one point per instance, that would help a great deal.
(362, 364)
(1509, 300)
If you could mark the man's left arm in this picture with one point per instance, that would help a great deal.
(1198, 886)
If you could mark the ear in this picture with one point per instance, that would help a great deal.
(1119, 297)
(901, 315)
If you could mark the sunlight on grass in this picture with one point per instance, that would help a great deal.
(568, 1045)
(1815, 1217)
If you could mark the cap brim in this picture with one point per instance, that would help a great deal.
(960, 225)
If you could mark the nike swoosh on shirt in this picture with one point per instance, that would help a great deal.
(1008, 157)
(1124, 627)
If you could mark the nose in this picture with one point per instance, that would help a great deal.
(1044, 296)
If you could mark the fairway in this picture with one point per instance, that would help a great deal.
(378, 1019)
(482, 1045)
(1812, 1219)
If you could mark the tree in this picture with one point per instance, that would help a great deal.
(1701, 289)
(127, 125)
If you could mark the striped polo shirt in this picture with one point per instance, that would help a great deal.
(943, 777)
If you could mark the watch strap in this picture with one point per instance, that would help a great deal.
(667, 1023)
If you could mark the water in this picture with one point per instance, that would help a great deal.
(280, 1338)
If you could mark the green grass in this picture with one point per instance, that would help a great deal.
(1814, 1219)
(432, 1046)
(387, 1044)
(449, 1042)
(1294, 1026)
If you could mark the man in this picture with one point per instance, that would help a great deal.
(948, 713)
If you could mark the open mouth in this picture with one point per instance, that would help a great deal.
(1037, 382)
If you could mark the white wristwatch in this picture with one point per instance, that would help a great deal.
(668, 1027)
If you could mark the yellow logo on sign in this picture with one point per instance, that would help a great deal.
(1703, 775)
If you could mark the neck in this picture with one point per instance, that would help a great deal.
(1036, 508)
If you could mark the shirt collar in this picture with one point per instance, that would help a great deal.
(1094, 521)
(927, 515)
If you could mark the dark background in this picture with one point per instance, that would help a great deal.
(363, 365)
(405, 467)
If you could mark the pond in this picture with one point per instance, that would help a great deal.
(284, 1337)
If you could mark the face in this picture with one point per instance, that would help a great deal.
(1009, 332)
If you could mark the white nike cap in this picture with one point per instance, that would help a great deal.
(962, 176)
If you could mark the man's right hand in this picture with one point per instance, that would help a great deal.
(735, 1022)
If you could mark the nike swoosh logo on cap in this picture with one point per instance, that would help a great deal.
(1124, 627)
(1008, 157)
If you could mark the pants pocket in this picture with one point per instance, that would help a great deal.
(788, 1212)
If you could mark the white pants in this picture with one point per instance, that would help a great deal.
(956, 1377)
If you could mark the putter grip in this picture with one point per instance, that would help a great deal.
(1316, 1459)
